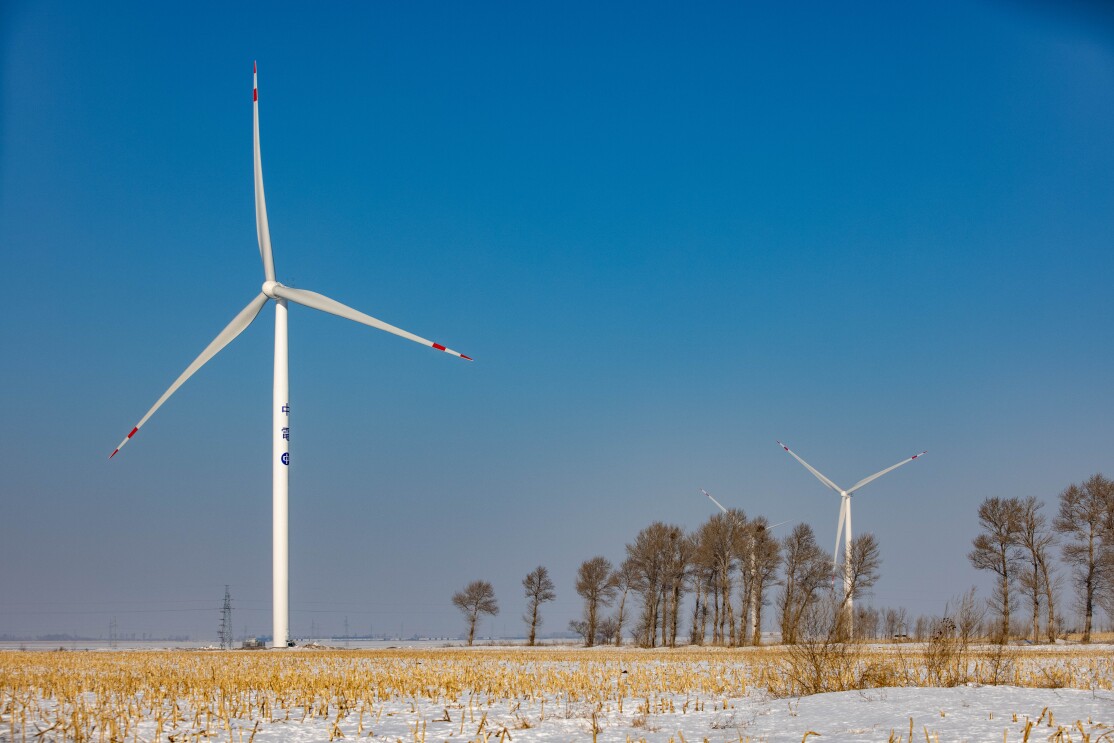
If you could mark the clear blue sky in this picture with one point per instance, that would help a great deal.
(667, 235)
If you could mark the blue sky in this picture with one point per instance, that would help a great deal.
(667, 235)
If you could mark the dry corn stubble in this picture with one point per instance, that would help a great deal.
(83, 696)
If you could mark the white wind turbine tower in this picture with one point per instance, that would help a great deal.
(274, 291)
(844, 527)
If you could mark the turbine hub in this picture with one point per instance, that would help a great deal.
(269, 288)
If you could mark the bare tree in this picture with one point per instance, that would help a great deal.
(478, 597)
(681, 549)
(921, 628)
(867, 621)
(806, 569)
(580, 627)
(706, 568)
(969, 615)
(1086, 520)
(701, 577)
(539, 589)
(605, 631)
(995, 550)
(718, 541)
(866, 559)
(649, 558)
(764, 557)
(822, 660)
(624, 580)
(894, 623)
(1037, 583)
(596, 583)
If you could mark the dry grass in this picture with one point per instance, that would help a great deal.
(189, 695)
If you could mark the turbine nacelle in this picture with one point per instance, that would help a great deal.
(269, 289)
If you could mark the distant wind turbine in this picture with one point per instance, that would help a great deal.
(274, 291)
(845, 518)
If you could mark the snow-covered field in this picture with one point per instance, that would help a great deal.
(986, 713)
(513, 694)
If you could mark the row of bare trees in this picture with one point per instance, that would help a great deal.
(730, 565)
(1017, 544)
(478, 597)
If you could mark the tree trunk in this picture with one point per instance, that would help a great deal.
(1089, 588)
(471, 629)
(676, 613)
(704, 617)
(620, 617)
(694, 639)
(754, 596)
(717, 636)
(1048, 594)
(663, 617)
(1005, 628)
(756, 610)
(727, 617)
(786, 609)
(533, 624)
(592, 612)
(1036, 622)
(1088, 604)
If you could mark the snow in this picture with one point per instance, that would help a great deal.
(963, 713)
(955, 714)
(966, 713)
(985, 713)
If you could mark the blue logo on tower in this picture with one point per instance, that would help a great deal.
(285, 457)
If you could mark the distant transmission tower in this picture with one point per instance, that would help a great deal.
(226, 621)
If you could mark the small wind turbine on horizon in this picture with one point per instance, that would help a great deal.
(274, 291)
(845, 519)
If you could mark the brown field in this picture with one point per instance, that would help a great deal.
(93, 696)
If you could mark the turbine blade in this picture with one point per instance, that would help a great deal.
(810, 468)
(705, 492)
(233, 329)
(876, 475)
(262, 231)
(321, 302)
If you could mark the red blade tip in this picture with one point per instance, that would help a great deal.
(110, 456)
(467, 358)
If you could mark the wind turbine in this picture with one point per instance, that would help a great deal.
(845, 518)
(274, 291)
